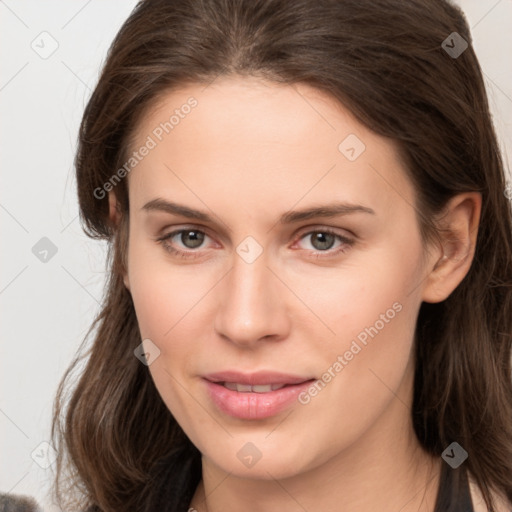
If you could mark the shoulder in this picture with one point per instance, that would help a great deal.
(502, 504)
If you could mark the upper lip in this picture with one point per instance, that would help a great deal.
(256, 378)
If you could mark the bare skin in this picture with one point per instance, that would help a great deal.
(249, 152)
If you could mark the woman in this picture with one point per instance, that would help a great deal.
(309, 270)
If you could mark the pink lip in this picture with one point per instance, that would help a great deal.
(251, 405)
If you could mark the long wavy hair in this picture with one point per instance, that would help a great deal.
(383, 60)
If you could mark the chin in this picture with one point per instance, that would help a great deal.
(260, 459)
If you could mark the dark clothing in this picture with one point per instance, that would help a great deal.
(453, 494)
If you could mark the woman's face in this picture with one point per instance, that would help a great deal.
(299, 264)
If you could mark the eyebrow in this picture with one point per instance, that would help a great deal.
(327, 210)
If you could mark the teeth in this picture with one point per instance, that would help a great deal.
(262, 388)
(247, 388)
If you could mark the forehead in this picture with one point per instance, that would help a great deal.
(262, 140)
(250, 110)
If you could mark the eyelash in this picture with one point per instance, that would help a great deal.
(329, 253)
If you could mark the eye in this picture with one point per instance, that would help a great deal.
(323, 239)
(191, 239)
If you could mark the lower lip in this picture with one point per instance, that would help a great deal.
(254, 406)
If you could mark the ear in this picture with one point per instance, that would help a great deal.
(115, 217)
(451, 262)
(114, 212)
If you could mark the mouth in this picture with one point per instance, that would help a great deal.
(254, 396)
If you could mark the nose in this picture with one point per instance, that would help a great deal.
(252, 305)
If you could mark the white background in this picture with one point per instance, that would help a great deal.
(47, 307)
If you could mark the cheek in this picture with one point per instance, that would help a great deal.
(364, 295)
(361, 370)
(162, 293)
(372, 314)
(172, 306)
(166, 303)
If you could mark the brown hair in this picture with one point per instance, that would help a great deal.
(384, 61)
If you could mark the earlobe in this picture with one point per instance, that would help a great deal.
(458, 233)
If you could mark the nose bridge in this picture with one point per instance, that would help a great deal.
(250, 306)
